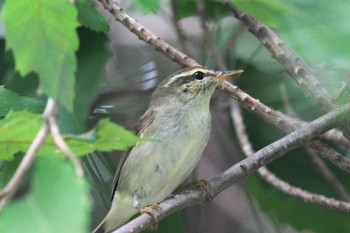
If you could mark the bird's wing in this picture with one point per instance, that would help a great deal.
(143, 124)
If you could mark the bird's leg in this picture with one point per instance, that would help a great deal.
(147, 210)
(209, 195)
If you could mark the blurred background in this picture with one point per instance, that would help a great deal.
(135, 68)
(317, 30)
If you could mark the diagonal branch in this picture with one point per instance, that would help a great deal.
(291, 62)
(49, 125)
(276, 118)
(146, 35)
(12, 186)
(242, 169)
(327, 174)
(198, 195)
(61, 144)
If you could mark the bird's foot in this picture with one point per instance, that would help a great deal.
(149, 210)
(209, 194)
(203, 184)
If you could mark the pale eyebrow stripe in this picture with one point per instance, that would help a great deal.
(188, 73)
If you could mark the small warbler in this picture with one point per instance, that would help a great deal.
(179, 120)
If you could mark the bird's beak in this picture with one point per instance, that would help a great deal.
(222, 75)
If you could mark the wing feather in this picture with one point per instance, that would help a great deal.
(143, 124)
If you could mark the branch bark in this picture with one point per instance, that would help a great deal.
(199, 194)
(253, 105)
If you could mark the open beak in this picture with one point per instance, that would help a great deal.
(222, 75)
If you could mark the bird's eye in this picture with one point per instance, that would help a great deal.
(198, 75)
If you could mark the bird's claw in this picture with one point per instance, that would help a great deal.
(149, 210)
(209, 195)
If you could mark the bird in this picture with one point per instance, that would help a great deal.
(176, 127)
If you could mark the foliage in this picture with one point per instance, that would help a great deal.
(42, 41)
(57, 201)
(18, 129)
(57, 49)
(49, 29)
(10, 100)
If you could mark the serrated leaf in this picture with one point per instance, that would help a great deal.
(18, 130)
(43, 39)
(109, 136)
(57, 201)
(89, 17)
(10, 100)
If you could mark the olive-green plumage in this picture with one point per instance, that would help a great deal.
(179, 121)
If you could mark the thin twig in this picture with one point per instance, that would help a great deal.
(292, 63)
(285, 123)
(305, 195)
(282, 146)
(146, 35)
(320, 166)
(276, 182)
(49, 124)
(198, 195)
(262, 157)
(246, 100)
(274, 117)
(337, 137)
(328, 175)
(12, 186)
(61, 144)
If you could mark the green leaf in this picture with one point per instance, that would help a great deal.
(10, 100)
(18, 130)
(148, 6)
(89, 17)
(42, 36)
(318, 31)
(92, 57)
(57, 201)
(106, 137)
(267, 11)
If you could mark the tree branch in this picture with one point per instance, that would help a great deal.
(146, 35)
(12, 186)
(198, 194)
(61, 144)
(327, 174)
(248, 165)
(292, 63)
(49, 124)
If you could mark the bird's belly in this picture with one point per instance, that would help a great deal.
(159, 166)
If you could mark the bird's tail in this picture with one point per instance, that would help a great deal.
(118, 214)
(100, 228)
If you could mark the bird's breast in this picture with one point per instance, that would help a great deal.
(173, 147)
